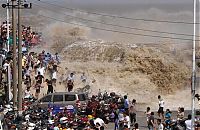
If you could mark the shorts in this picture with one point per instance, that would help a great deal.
(160, 110)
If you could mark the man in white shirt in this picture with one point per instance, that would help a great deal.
(121, 120)
(5, 65)
(161, 107)
(99, 121)
(160, 125)
(41, 70)
(127, 121)
(188, 122)
(71, 77)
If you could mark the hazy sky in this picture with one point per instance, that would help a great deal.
(170, 10)
(132, 1)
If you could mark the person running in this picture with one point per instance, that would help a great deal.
(71, 77)
(151, 121)
(126, 103)
(83, 78)
(57, 58)
(39, 78)
(132, 112)
(41, 69)
(148, 114)
(50, 86)
(54, 77)
(70, 82)
(70, 85)
(161, 107)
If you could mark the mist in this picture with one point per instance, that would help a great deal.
(161, 10)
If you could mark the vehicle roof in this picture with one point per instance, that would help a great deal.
(64, 93)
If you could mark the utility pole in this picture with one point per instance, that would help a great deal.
(20, 53)
(14, 55)
(193, 69)
(19, 58)
(8, 28)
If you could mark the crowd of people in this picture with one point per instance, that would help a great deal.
(29, 38)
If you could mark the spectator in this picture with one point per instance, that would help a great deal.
(180, 114)
(151, 121)
(168, 118)
(121, 120)
(160, 125)
(116, 118)
(188, 122)
(132, 112)
(126, 103)
(161, 107)
(136, 127)
(27, 93)
(127, 121)
(99, 122)
(37, 90)
(148, 114)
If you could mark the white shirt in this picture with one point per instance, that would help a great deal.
(55, 128)
(41, 70)
(27, 94)
(121, 117)
(127, 119)
(188, 124)
(160, 127)
(54, 75)
(161, 103)
(100, 121)
(5, 66)
(28, 72)
(70, 78)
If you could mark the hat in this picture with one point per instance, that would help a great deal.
(90, 117)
